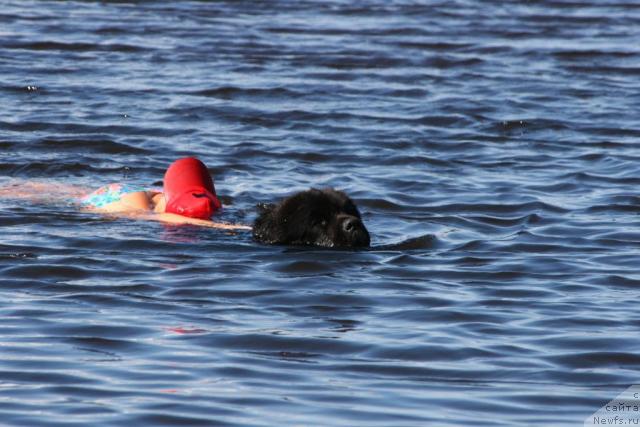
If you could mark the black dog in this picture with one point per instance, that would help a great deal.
(314, 217)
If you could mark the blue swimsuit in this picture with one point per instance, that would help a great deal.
(108, 194)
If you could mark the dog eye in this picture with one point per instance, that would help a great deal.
(320, 223)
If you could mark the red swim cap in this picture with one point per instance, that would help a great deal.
(188, 189)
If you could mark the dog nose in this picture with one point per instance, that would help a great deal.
(350, 224)
(354, 232)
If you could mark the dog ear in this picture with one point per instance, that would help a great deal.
(265, 227)
(265, 207)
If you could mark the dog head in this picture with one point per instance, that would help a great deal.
(314, 217)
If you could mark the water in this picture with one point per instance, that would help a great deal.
(491, 147)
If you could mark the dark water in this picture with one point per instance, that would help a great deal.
(491, 146)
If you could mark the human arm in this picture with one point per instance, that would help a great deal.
(170, 218)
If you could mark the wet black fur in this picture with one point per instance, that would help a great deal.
(313, 217)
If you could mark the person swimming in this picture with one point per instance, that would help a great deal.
(188, 196)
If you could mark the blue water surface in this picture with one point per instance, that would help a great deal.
(492, 147)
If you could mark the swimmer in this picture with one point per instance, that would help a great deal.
(188, 196)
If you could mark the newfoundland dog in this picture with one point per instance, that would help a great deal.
(314, 217)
